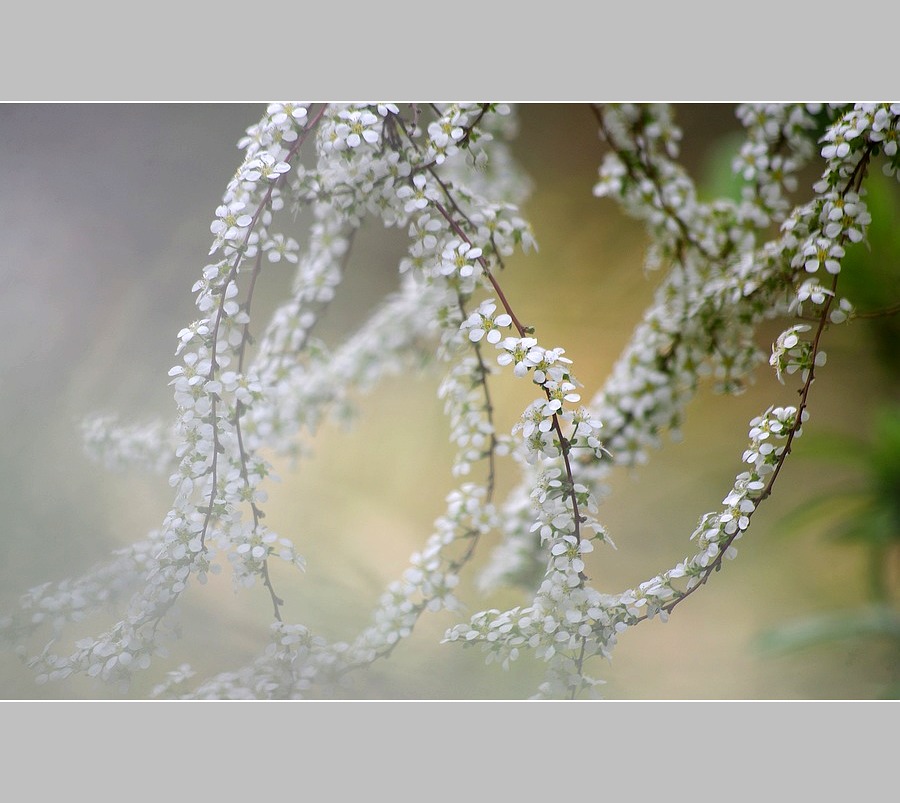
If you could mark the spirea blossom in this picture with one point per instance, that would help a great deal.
(247, 389)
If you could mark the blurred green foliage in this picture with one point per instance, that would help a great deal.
(870, 276)
(863, 514)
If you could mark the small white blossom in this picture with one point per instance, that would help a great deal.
(483, 323)
(459, 258)
(357, 126)
(520, 352)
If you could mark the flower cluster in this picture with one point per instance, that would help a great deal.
(117, 446)
(718, 278)
(780, 140)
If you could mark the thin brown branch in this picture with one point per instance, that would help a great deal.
(214, 337)
(854, 183)
(886, 312)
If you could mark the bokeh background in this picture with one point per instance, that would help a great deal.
(105, 210)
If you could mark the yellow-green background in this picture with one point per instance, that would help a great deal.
(105, 211)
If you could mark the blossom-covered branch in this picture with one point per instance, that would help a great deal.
(247, 388)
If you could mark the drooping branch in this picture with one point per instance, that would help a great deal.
(427, 169)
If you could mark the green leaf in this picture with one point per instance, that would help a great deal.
(814, 631)
(838, 506)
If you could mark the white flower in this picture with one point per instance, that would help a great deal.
(280, 113)
(484, 324)
(822, 252)
(230, 218)
(357, 126)
(459, 258)
(415, 197)
(518, 351)
(790, 353)
(811, 290)
(281, 247)
(265, 166)
(842, 312)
